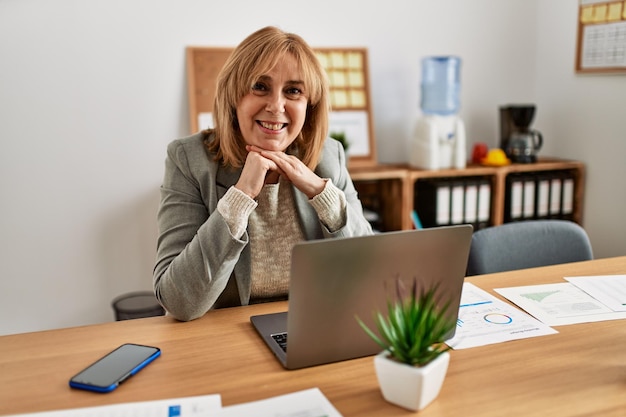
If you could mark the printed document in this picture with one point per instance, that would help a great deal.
(610, 290)
(484, 319)
(199, 406)
(581, 300)
(308, 403)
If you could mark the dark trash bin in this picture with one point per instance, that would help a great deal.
(136, 305)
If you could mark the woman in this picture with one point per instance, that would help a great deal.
(236, 198)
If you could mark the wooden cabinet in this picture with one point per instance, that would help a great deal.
(386, 191)
(391, 190)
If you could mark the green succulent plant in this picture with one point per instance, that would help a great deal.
(414, 328)
(341, 137)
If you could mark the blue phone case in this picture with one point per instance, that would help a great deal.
(108, 372)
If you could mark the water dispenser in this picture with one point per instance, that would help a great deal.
(439, 138)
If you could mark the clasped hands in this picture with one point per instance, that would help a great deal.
(261, 165)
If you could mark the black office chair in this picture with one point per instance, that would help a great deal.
(136, 305)
(527, 244)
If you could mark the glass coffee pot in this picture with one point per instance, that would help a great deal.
(520, 143)
(524, 145)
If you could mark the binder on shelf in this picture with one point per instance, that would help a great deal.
(540, 195)
(457, 209)
(471, 203)
(567, 196)
(515, 197)
(442, 203)
(543, 196)
(555, 196)
(454, 200)
(447, 201)
(522, 197)
(433, 198)
(528, 210)
(484, 203)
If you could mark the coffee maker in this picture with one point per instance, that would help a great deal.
(520, 143)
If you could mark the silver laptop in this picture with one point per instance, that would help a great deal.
(335, 280)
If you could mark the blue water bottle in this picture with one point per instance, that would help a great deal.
(441, 85)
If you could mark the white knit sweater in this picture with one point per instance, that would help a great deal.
(273, 228)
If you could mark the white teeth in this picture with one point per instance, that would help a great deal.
(272, 126)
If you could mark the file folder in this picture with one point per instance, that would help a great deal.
(516, 198)
(555, 197)
(454, 200)
(457, 210)
(543, 196)
(443, 204)
(471, 203)
(484, 203)
(433, 199)
(567, 205)
(529, 197)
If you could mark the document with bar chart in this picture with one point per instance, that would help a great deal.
(566, 303)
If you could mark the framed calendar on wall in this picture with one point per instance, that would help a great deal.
(601, 37)
(351, 120)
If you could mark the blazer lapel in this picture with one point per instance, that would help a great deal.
(226, 178)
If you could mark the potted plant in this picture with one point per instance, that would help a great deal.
(341, 137)
(414, 361)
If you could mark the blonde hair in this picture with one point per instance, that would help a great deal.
(254, 57)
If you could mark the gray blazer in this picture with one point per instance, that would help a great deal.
(199, 264)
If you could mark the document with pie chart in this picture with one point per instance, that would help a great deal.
(485, 319)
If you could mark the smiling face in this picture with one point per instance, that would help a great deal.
(272, 114)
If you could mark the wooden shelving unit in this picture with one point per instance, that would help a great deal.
(386, 190)
(390, 189)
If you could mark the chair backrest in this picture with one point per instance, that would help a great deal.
(136, 305)
(527, 244)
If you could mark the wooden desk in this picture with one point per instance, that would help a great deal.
(579, 372)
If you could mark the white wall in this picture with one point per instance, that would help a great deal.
(583, 117)
(92, 91)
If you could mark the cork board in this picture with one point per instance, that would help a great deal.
(601, 37)
(347, 69)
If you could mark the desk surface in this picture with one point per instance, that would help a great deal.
(581, 371)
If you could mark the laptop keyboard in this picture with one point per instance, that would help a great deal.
(281, 339)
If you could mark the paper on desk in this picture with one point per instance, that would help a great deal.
(610, 290)
(307, 403)
(198, 406)
(484, 320)
(559, 304)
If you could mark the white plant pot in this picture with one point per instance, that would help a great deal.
(409, 386)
